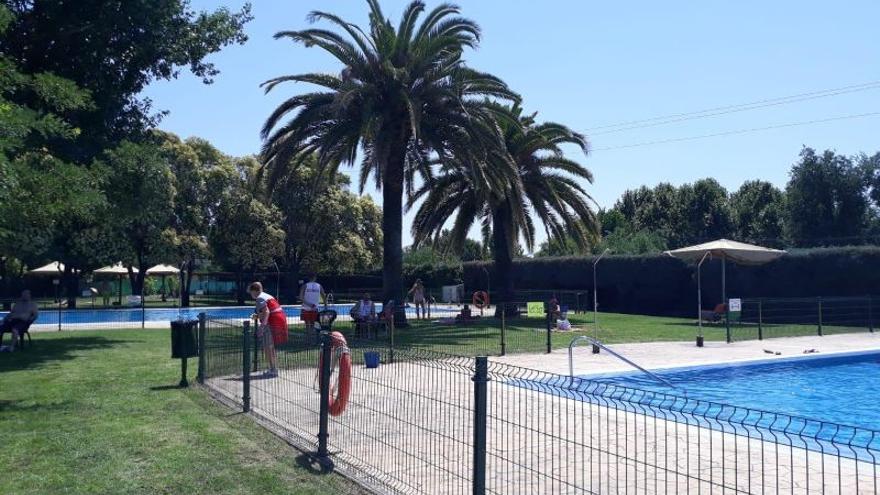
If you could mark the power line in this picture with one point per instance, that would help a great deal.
(711, 112)
(738, 131)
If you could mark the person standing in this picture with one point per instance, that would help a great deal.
(271, 325)
(311, 293)
(418, 296)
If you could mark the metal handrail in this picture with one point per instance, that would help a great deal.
(595, 342)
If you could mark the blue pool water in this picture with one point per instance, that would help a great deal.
(134, 315)
(841, 389)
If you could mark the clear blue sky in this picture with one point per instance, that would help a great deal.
(588, 64)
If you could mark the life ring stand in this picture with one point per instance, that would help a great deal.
(342, 359)
(480, 299)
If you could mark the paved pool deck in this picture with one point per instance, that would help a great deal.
(659, 355)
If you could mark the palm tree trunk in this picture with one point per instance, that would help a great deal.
(502, 253)
(392, 224)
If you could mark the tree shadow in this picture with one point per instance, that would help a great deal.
(51, 350)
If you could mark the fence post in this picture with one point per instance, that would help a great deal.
(727, 321)
(760, 321)
(549, 344)
(503, 329)
(481, 380)
(143, 308)
(200, 375)
(246, 366)
(257, 345)
(820, 316)
(390, 321)
(324, 385)
(870, 315)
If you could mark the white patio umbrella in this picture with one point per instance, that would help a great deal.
(163, 271)
(119, 270)
(53, 268)
(723, 249)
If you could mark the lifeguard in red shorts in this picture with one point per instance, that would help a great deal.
(311, 293)
(272, 318)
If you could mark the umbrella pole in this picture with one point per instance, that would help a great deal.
(724, 280)
(119, 292)
(700, 300)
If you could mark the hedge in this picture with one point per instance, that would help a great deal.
(659, 284)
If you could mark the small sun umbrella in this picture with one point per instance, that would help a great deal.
(118, 270)
(724, 249)
(53, 268)
(163, 271)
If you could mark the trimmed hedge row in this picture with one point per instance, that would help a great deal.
(658, 284)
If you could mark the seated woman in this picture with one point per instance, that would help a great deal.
(23, 313)
(364, 314)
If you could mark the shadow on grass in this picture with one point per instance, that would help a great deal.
(50, 350)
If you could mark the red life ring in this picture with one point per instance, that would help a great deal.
(343, 384)
(480, 299)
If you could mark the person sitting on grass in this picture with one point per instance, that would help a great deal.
(23, 312)
(363, 313)
(271, 325)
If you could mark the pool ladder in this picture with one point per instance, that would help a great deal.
(626, 360)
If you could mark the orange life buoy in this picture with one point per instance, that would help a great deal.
(343, 384)
(481, 299)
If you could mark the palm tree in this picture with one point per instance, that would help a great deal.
(403, 98)
(545, 185)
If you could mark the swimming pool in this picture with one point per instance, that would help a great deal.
(842, 388)
(136, 315)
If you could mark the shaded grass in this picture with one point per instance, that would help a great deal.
(96, 412)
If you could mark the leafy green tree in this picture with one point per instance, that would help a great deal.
(545, 185)
(114, 51)
(49, 208)
(327, 228)
(246, 236)
(402, 94)
(705, 212)
(756, 211)
(825, 200)
(141, 190)
(200, 176)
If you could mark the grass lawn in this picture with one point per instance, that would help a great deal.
(96, 412)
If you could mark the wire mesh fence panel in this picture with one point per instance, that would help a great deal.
(222, 351)
(407, 427)
(799, 317)
(555, 434)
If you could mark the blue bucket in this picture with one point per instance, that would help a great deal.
(371, 359)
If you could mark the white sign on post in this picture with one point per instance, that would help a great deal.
(735, 305)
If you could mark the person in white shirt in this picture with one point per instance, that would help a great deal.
(24, 311)
(363, 313)
(311, 293)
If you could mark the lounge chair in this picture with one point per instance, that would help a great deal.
(24, 331)
(715, 315)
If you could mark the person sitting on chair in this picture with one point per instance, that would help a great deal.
(363, 313)
(465, 315)
(23, 313)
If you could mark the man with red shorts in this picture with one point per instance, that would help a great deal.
(310, 294)
(270, 317)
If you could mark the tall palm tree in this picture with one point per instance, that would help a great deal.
(545, 185)
(403, 98)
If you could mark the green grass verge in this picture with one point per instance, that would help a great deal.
(97, 412)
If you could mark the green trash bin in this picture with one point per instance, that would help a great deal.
(184, 340)
(184, 344)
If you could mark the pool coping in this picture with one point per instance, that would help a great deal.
(732, 363)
